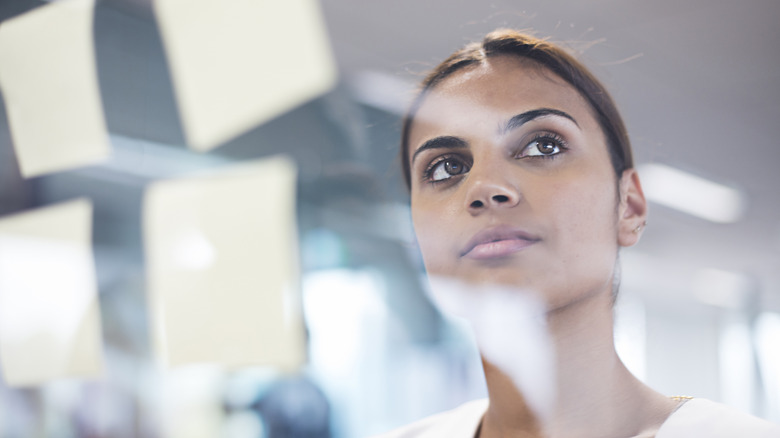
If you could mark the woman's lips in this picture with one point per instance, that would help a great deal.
(497, 242)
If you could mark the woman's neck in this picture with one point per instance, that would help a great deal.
(596, 395)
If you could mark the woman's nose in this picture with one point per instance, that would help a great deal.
(490, 188)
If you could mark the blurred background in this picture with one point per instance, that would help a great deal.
(699, 310)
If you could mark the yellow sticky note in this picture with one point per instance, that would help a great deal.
(49, 314)
(238, 63)
(222, 268)
(49, 81)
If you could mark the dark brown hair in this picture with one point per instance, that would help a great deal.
(505, 42)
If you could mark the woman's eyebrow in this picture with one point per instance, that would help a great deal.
(446, 141)
(523, 118)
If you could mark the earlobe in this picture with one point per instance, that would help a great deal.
(632, 209)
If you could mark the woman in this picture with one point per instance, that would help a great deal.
(521, 175)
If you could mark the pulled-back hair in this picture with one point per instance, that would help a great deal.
(505, 42)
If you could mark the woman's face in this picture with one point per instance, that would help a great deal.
(512, 184)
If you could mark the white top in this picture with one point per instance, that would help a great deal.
(695, 418)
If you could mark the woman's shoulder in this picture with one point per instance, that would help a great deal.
(696, 417)
(462, 421)
(702, 417)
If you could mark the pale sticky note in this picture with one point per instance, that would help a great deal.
(190, 402)
(49, 314)
(49, 80)
(238, 63)
(222, 267)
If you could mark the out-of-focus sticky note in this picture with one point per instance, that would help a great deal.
(49, 314)
(49, 81)
(190, 402)
(238, 63)
(222, 267)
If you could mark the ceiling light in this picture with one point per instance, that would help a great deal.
(380, 90)
(719, 288)
(691, 194)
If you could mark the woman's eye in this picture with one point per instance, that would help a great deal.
(540, 147)
(447, 169)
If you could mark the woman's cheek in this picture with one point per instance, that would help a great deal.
(430, 239)
(590, 233)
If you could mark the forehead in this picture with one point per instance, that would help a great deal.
(488, 94)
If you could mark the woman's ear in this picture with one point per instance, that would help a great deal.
(632, 210)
